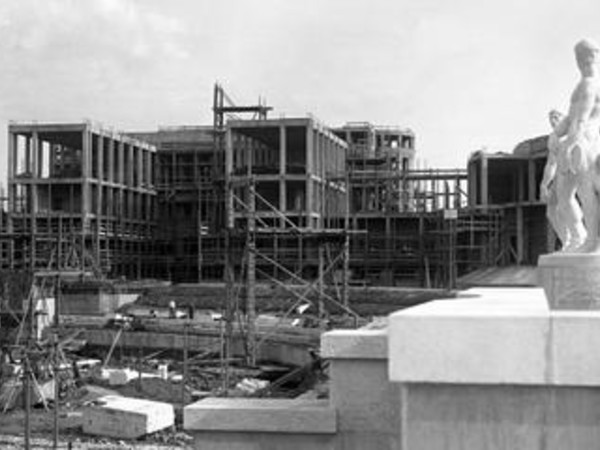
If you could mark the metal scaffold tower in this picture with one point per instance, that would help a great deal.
(271, 248)
(223, 107)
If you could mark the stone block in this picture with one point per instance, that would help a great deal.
(260, 415)
(120, 377)
(127, 418)
(575, 337)
(355, 344)
(571, 280)
(500, 417)
(491, 336)
(364, 398)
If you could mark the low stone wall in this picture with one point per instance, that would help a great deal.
(241, 423)
(363, 411)
(292, 354)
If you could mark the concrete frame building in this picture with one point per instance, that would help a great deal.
(510, 184)
(80, 187)
(156, 204)
(189, 213)
(279, 174)
(375, 152)
(290, 162)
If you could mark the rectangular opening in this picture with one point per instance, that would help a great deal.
(256, 150)
(295, 196)
(116, 163)
(95, 151)
(269, 191)
(295, 141)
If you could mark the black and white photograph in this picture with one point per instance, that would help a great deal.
(316, 225)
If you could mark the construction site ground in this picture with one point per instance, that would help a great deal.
(70, 423)
(366, 301)
(369, 302)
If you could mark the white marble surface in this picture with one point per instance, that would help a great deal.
(494, 336)
(571, 281)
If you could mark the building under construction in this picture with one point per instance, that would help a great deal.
(182, 203)
(84, 188)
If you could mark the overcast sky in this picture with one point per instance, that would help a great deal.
(463, 74)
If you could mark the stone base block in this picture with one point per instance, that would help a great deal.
(127, 418)
(494, 336)
(260, 415)
(500, 417)
(571, 280)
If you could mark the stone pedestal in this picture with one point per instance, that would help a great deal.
(496, 370)
(571, 280)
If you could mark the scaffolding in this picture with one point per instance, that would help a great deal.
(284, 216)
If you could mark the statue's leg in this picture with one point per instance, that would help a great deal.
(562, 231)
(589, 204)
(571, 215)
(554, 215)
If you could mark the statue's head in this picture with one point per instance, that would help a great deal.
(586, 53)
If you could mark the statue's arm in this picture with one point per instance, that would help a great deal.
(562, 128)
(549, 174)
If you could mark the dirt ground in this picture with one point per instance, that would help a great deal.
(366, 301)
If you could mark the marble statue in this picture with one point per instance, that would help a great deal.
(572, 175)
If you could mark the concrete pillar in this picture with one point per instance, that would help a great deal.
(309, 206)
(484, 180)
(282, 171)
(100, 158)
(34, 172)
(27, 167)
(34, 154)
(472, 175)
(110, 176)
(12, 157)
(39, 158)
(139, 166)
(228, 170)
(149, 162)
(85, 170)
